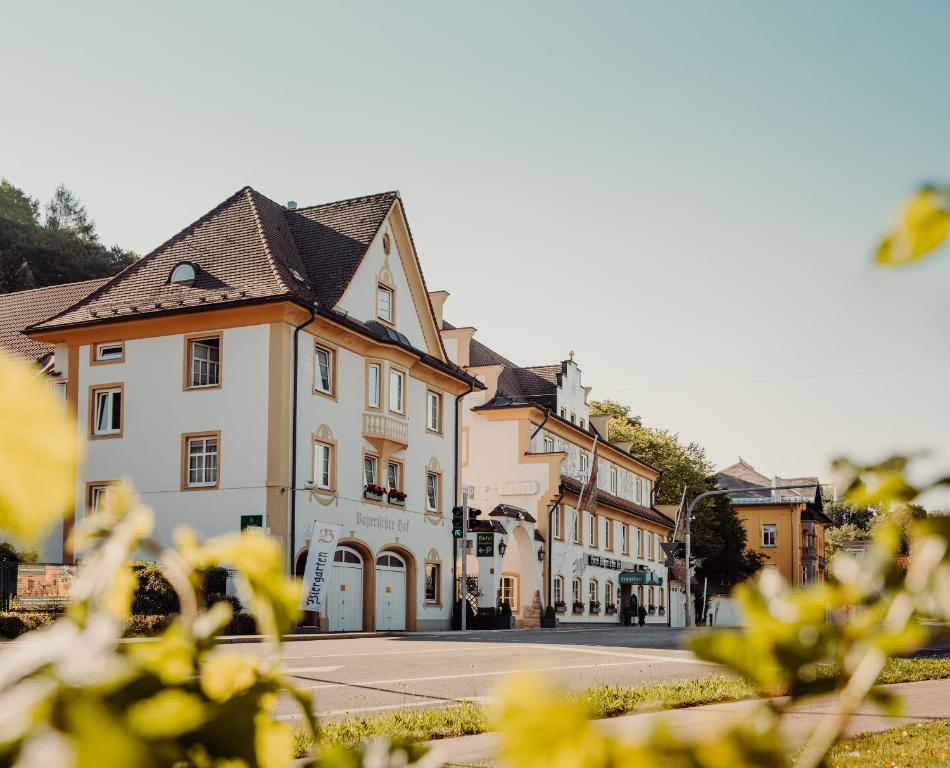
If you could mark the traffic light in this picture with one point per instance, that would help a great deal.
(472, 514)
(457, 522)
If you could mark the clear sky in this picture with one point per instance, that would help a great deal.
(686, 194)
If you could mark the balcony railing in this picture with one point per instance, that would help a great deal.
(378, 426)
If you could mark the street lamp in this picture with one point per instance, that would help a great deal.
(690, 613)
(502, 547)
(541, 554)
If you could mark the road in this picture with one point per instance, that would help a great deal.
(373, 675)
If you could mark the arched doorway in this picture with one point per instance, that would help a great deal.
(390, 592)
(346, 591)
(519, 569)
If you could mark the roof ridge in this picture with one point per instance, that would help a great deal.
(250, 192)
(58, 285)
(358, 198)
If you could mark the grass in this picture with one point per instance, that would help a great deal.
(603, 701)
(906, 747)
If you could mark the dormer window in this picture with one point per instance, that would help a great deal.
(384, 303)
(182, 273)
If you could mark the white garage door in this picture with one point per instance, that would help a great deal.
(346, 592)
(390, 592)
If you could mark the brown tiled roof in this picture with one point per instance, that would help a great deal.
(23, 308)
(570, 485)
(247, 248)
(534, 384)
(515, 513)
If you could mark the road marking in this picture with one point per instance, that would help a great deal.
(292, 671)
(496, 673)
(649, 657)
(455, 649)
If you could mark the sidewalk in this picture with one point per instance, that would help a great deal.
(925, 701)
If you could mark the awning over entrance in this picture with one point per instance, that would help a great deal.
(645, 578)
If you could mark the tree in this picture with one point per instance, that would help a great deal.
(683, 464)
(836, 535)
(63, 248)
(846, 512)
(719, 540)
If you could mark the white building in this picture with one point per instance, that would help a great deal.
(269, 366)
(527, 446)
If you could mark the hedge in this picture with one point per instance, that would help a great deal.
(15, 624)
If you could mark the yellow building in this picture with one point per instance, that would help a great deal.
(786, 526)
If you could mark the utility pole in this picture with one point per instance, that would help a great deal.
(466, 491)
(690, 612)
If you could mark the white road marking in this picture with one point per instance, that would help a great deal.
(649, 657)
(455, 649)
(457, 675)
(292, 671)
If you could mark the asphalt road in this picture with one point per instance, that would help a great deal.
(373, 675)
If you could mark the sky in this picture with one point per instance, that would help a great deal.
(687, 195)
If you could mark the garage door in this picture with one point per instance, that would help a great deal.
(346, 601)
(390, 592)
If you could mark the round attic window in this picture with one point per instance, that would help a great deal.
(387, 245)
(183, 273)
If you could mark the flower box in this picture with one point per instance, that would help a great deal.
(594, 607)
(662, 610)
(560, 607)
(397, 497)
(578, 607)
(651, 610)
(611, 608)
(374, 492)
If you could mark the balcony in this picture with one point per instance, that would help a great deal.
(387, 433)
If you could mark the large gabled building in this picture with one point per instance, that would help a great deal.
(527, 442)
(272, 366)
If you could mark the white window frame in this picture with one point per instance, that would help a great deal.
(435, 580)
(105, 411)
(374, 389)
(608, 530)
(323, 465)
(98, 496)
(433, 491)
(558, 589)
(389, 467)
(510, 587)
(383, 312)
(397, 391)
(556, 523)
(60, 391)
(433, 411)
(612, 474)
(102, 356)
(583, 464)
(593, 591)
(592, 529)
(319, 384)
(204, 367)
(608, 592)
(769, 541)
(625, 539)
(370, 460)
(576, 533)
(203, 471)
(576, 588)
(548, 445)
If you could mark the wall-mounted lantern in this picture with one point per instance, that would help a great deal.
(541, 554)
(502, 547)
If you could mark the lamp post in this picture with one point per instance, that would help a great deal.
(690, 613)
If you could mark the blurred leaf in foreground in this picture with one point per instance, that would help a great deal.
(922, 227)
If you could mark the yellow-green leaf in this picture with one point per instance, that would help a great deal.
(922, 227)
(167, 714)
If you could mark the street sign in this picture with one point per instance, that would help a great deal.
(485, 546)
(640, 578)
(669, 549)
(252, 521)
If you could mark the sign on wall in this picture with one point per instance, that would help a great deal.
(316, 574)
(252, 521)
(604, 562)
(643, 578)
(485, 546)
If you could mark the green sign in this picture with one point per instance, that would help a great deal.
(642, 578)
(485, 546)
(252, 521)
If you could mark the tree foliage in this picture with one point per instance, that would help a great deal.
(62, 247)
(719, 540)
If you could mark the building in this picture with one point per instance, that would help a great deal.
(786, 526)
(272, 366)
(527, 442)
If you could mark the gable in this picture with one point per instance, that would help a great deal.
(398, 270)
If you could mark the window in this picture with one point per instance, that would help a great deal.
(613, 480)
(201, 456)
(433, 411)
(323, 465)
(509, 591)
(371, 470)
(323, 370)
(647, 500)
(660, 594)
(549, 445)
(384, 303)
(433, 581)
(99, 494)
(109, 352)
(564, 413)
(584, 461)
(394, 476)
(59, 390)
(651, 603)
(768, 535)
(608, 526)
(592, 590)
(433, 492)
(397, 391)
(556, 523)
(575, 525)
(576, 590)
(648, 546)
(608, 593)
(592, 529)
(573, 417)
(639, 534)
(204, 362)
(183, 273)
(624, 539)
(638, 491)
(372, 385)
(558, 589)
(107, 411)
(583, 424)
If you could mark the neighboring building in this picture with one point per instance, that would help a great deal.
(786, 526)
(269, 366)
(527, 443)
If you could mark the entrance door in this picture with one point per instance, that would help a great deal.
(346, 592)
(390, 592)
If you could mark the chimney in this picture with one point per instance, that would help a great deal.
(600, 424)
(438, 301)
(291, 205)
(776, 494)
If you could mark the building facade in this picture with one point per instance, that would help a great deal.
(527, 449)
(270, 367)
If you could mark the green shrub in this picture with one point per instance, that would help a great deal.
(13, 625)
(241, 624)
(216, 582)
(154, 595)
(147, 625)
